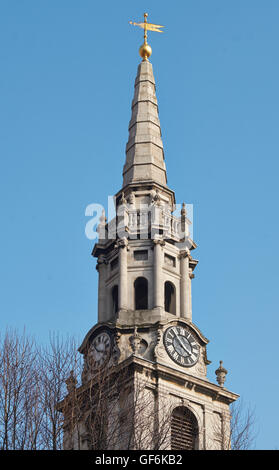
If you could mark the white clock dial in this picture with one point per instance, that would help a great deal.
(181, 346)
(100, 349)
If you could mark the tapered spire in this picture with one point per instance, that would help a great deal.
(144, 149)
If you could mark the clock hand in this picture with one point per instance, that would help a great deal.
(181, 343)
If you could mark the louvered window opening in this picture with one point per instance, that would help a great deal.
(183, 430)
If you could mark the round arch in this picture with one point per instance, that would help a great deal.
(141, 293)
(184, 429)
(170, 297)
(114, 296)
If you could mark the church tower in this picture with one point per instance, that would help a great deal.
(146, 354)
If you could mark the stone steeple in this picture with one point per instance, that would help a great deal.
(144, 149)
(145, 333)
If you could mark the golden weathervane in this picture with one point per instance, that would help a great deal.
(145, 50)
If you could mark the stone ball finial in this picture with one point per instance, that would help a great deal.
(221, 373)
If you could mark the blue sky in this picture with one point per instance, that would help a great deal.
(67, 77)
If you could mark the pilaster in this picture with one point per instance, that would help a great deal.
(102, 269)
(122, 245)
(185, 286)
(158, 281)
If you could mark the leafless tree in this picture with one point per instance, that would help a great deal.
(243, 426)
(19, 397)
(241, 433)
(32, 382)
(116, 409)
(44, 400)
(56, 360)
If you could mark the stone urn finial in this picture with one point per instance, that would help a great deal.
(221, 373)
(101, 228)
(135, 341)
(132, 199)
(103, 218)
(71, 382)
(122, 201)
(183, 210)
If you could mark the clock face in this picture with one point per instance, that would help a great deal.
(181, 346)
(100, 349)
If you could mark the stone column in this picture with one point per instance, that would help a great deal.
(158, 280)
(185, 286)
(101, 268)
(190, 277)
(123, 274)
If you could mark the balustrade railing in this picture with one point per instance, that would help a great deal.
(145, 223)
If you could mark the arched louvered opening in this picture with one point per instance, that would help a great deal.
(141, 293)
(114, 299)
(96, 428)
(184, 429)
(170, 298)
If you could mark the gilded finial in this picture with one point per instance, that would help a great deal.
(145, 50)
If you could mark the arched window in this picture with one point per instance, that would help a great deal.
(115, 299)
(184, 429)
(170, 298)
(141, 293)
